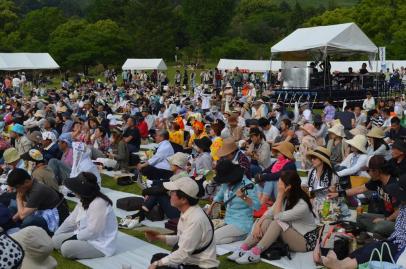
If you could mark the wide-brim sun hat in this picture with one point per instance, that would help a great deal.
(228, 172)
(18, 128)
(83, 185)
(35, 137)
(321, 153)
(229, 146)
(33, 155)
(359, 142)
(376, 132)
(11, 155)
(309, 128)
(285, 148)
(38, 247)
(338, 130)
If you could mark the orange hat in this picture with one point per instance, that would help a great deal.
(198, 125)
(179, 121)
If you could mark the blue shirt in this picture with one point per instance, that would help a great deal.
(399, 235)
(238, 213)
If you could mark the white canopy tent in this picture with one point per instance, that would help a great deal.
(315, 43)
(26, 61)
(249, 65)
(144, 64)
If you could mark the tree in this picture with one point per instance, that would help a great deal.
(77, 42)
(8, 16)
(154, 28)
(206, 19)
(37, 26)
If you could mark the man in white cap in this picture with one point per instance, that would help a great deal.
(50, 147)
(194, 244)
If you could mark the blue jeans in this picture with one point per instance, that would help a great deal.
(35, 221)
(270, 188)
(255, 169)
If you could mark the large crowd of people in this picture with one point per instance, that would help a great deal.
(280, 174)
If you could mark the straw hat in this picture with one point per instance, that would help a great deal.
(359, 130)
(286, 148)
(321, 153)
(309, 128)
(376, 132)
(11, 155)
(359, 142)
(228, 147)
(337, 129)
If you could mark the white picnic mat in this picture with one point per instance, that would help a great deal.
(131, 251)
(114, 196)
(150, 146)
(227, 248)
(299, 261)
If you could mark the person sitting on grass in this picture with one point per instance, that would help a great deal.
(193, 245)
(91, 229)
(380, 172)
(238, 219)
(157, 195)
(291, 218)
(37, 204)
(322, 177)
(396, 241)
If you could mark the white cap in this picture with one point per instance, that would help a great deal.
(185, 184)
(179, 159)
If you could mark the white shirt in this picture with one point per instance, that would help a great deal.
(271, 134)
(16, 82)
(206, 101)
(353, 168)
(194, 232)
(150, 120)
(368, 104)
(97, 225)
(159, 160)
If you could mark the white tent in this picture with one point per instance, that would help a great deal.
(249, 65)
(144, 64)
(26, 61)
(314, 43)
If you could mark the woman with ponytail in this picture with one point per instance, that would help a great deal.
(291, 218)
(91, 229)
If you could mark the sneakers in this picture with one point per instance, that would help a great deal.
(124, 222)
(238, 253)
(130, 222)
(134, 223)
(248, 258)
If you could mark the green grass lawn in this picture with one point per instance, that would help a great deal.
(110, 183)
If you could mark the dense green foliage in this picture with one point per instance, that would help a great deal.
(82, 33)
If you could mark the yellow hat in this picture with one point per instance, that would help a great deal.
(11, 155)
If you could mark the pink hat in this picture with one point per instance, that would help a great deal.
(309, 128)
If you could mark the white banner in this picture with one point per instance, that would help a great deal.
(382, 57)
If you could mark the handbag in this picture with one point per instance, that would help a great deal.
(380, 264)
(130, 203)
(12, 254)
